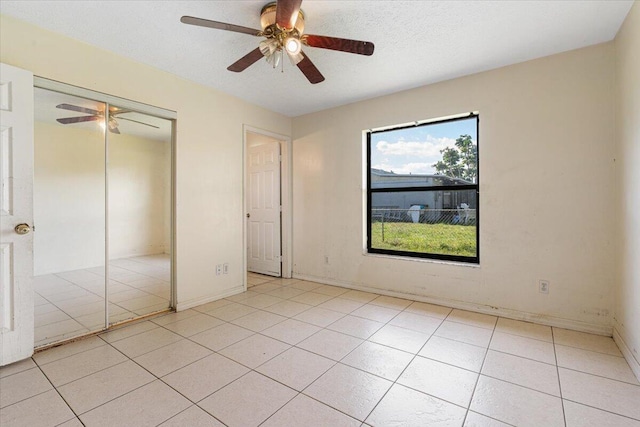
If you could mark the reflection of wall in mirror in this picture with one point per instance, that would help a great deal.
(69, 193)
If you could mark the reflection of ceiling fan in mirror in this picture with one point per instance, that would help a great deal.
(97, 115)
(283, 28)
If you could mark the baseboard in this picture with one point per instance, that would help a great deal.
(558, 322)
(158, 251)
(180, 306)
(627, 353)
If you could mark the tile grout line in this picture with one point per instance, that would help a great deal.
(599, 376)
(219, 354)
(85, 376)
(332, 360)
(156, 378)
(105, 368)
(585, 373)
(555, 355)
(393, 383)
(484, 359)
(339, 362)
(602, 410)
(30, 397)
(59, 394)
(592, 351)
(186, 409)
(70, 355)
(324, 404)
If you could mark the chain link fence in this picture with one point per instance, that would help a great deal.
(416, 214)
(418, 229)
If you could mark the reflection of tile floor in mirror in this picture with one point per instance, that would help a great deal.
(71, 303)
(297, 353)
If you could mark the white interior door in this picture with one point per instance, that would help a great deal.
(16, 214)
(263, 222)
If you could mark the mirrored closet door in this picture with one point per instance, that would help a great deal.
(139, 176)
(69, 218)
(102, 214)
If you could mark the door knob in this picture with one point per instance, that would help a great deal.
(22, 229)
(248, 215)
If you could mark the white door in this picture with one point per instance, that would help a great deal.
(263, 216)
(16, 214)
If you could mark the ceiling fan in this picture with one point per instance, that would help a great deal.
(283, 27)
(97, 115)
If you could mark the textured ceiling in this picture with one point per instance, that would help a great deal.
(416, 42)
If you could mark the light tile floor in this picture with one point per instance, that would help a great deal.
(296, 353)
(71, 303)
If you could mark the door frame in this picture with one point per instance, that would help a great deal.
(56, 86)
(286, 196)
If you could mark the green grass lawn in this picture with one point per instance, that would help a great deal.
(429, 238)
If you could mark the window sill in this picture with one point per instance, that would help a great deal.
(424, 260)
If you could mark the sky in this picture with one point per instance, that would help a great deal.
(415, 149)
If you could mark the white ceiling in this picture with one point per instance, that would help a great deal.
(416, 42)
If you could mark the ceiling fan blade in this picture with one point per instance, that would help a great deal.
(334, 43)
(135, 121)
(246, 61)
(309, 70)
(287, 13)
(218, 25)
(70, 120)
(77, 108)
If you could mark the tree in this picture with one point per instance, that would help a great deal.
(460, 161)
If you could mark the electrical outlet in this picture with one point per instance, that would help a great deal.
(326, 259)
(543, 286)
(218, 269)
(225, 268)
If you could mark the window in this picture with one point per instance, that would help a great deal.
(422, 190)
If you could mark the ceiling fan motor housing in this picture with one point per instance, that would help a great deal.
(269, 26)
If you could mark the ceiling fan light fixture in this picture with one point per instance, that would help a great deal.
(268, 47)
(274, 59)
(113, 124)
(292, 45)
(295, 58)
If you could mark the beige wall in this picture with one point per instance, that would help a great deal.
(209, 145)
(255, 139)
(627, 313)
(546, 178)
